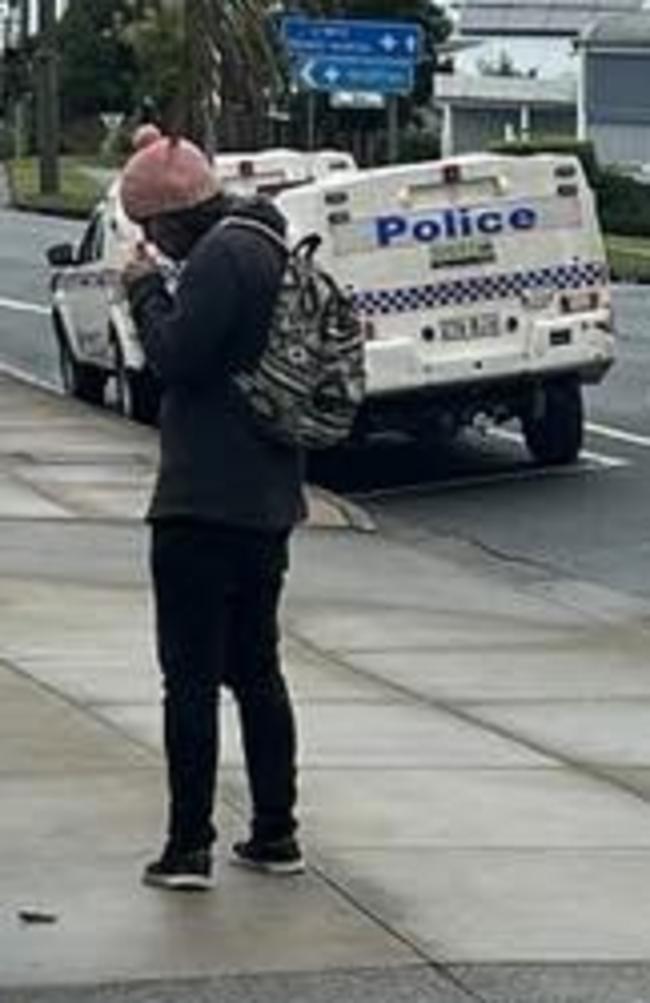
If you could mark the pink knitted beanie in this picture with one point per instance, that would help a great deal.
(166, 175)
(145, 135)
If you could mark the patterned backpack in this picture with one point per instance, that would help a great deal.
(306, 387)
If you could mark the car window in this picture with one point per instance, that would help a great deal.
(91, 247)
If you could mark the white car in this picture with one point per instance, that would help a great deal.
(100, 355)
(483, 289)
(99, 352)
(273, 171)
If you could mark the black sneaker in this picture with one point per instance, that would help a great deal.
(189, 872)
(281, 856)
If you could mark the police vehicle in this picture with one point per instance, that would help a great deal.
(272, 171)
(100, 356)
(483, 289)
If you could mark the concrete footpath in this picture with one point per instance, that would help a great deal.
(475, 762)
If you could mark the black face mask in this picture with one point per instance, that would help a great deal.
(176, 233)
(170, 236)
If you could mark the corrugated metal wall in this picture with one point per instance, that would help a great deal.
(618, 106)
(621, 144)
(618, 88)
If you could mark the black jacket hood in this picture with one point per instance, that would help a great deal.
(191, 226)
(258, 208)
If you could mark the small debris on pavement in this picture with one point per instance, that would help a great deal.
(35, 916)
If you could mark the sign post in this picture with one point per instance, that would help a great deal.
(357, 56)
(311, 121)
(393, 129)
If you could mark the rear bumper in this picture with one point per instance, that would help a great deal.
(456, 404)
(581, 344)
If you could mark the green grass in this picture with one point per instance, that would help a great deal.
(629, 258)
(79, 191)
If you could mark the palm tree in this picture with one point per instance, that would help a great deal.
(238, 61)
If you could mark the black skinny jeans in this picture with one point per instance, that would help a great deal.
(217, 592)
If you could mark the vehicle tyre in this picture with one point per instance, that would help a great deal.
(121, 397)
(86, 383)
(136, 394)
(553, 424)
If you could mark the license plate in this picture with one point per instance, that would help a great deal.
(462, 252)
(471, 328)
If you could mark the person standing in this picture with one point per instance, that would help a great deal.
(224, 505)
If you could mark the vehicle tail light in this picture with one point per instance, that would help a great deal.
(583, 301)
(452, 174)
(369, 330)
(537, 299)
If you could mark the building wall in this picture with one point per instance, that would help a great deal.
(617, 105)
(478, 128)
(621, 144)
(618, 88)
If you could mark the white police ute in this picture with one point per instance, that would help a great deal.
(269, 172)
(100, 355)
(101, 360)
(483, 289)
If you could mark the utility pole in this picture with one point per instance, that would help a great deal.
(47, 97)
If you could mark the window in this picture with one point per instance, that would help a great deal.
(91, 247)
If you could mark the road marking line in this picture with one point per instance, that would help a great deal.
(23, 307)
(430, 488)
(600, 459)
(618, 434)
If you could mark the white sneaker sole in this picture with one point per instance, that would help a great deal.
(179, 882)
(281, 869)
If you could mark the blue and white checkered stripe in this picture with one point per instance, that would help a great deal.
(462, 292)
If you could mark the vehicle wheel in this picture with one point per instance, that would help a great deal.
(121, 397)
(86, 383)
(553, 424)
(135, 394)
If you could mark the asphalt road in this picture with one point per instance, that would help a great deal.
(588, 522)
(25, 341)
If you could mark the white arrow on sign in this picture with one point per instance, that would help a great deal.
(389, 43)
(331, 74)
(306, 74)
(411, 43)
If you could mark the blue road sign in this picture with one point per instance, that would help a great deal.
(381, 76)
(353, 39)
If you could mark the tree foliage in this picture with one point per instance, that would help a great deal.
(114, 53)
(156, 37)
(97, 66)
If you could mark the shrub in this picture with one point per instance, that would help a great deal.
(582, 149)
(416, 145)
(623, 203)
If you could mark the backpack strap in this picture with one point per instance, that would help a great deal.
(306, 247)
(245, 223)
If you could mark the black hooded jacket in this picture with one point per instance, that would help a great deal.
(214, 464)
